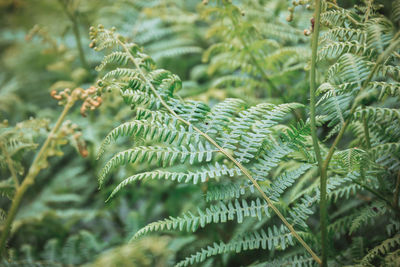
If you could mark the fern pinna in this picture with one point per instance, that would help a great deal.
(170, 132)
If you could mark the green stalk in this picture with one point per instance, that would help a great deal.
(75, 29)
(29, 179)
(366, 131)
(323, 175)
(396, 193)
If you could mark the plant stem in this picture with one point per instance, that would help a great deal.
(10, 165)
(396, 193)
(366, 131)
(30, 178)
(75, 29)
(223, 151)
(323, 175)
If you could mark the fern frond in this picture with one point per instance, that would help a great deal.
(221, 115)
(385, 148)
(381, 249)
(376, 113)
(367, 214)
(396, 11)
(117, 57)
(224, 192)
(218, 213)
(295, 261)
(251, 138)
(177, 51)
(345, 186)
(341, 225)
(268, 160)
(210, 171)
(125, 73)
(385, 88)
(162, 155)
(7, 188)
(334, 18)
(136, 98)
(156, 131)
(352, 159)
(343, 33)
(286, 180)
(274, 237)
(336, 49)
(379, 34)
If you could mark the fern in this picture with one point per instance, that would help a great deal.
(251, 134)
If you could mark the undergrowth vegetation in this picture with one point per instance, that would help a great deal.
(221, 133)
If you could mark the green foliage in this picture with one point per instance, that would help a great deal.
(253, 55)
(198, 100)
(253, 136)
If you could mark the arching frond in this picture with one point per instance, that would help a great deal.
(274, 237)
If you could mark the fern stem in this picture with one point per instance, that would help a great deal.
(223, 151)
(30, 178)
(10, 165)
(396, 193)
(366, 131)
(323, 175)
(75, 29)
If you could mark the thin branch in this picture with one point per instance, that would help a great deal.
(223, 151)
(396, 193)
(75, 29)
(366, 131)
(30, 178)
(323, 175)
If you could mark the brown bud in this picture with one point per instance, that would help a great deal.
(54, 95)
(83, 110)
(306, 32)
